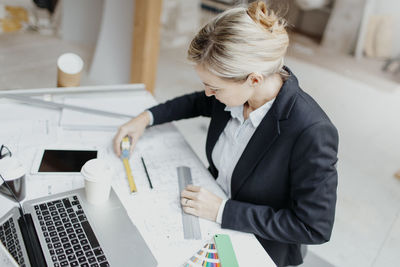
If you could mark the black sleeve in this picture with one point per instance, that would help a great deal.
(183, 107)
(313, 175)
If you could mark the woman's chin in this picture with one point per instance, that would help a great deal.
(229, 103)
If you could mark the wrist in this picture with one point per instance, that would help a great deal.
(145, 117)
(221, 211)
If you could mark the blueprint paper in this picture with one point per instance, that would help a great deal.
(163, 149)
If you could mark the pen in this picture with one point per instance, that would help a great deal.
(147, 174)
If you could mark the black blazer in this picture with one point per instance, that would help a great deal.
(284, 184)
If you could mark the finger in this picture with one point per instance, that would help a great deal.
(189, 203)
(193, 188)
(133, 143)
(117, 142)
(118, 138)
(189, 195)
(190, 210)
(117, 150)
(185, 202)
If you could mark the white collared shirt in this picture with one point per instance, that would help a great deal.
(231, 144)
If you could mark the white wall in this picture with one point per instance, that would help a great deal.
(180, 20)
(112, 59)
(392, 8)
(81, 20)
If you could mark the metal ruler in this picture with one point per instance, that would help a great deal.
(49, 104)
(191, 225)
(76, 90)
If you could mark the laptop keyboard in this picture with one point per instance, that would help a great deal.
(9, 238)
(69, 237)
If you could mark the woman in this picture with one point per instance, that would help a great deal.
(270, 146)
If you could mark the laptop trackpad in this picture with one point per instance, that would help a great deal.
(121, 241)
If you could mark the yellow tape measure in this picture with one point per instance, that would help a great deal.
(125, 145)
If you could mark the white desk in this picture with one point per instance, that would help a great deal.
(155, 212)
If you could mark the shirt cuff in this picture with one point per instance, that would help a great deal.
(151, 117)
(221, 211)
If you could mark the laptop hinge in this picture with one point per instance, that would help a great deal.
(31, 241)
(21, 212)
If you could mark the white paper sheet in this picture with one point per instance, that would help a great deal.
(26, 131)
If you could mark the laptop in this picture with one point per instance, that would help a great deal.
(65, 230)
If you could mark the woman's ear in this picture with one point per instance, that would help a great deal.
(254, 79)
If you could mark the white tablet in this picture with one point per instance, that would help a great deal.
(61, 160)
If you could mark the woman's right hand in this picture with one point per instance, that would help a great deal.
(134, 129)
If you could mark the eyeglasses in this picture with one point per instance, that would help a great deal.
(4, 152)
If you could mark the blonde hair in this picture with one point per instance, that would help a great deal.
(241, 41)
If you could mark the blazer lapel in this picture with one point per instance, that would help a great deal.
(217, 125)
(266, 134)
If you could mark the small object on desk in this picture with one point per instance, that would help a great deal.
(206, 256)
(225, 251)
(69, 68)
(191, 225)
(125, 146)
(397, 174)
(97, 174)
(147, 174)
(13, 173)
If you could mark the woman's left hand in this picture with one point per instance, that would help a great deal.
(198, 201)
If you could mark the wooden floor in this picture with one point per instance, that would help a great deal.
(28, 60)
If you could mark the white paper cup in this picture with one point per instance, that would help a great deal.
(97, 174)
(69, 68)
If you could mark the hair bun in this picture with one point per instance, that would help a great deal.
(262, 15)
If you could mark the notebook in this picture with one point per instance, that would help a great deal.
(65, 230)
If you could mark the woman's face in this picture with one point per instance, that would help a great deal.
(227, 92)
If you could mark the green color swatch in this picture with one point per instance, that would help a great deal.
(225, 250)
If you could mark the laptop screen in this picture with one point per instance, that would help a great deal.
(65, 160)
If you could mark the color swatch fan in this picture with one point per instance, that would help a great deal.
(207, 256)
